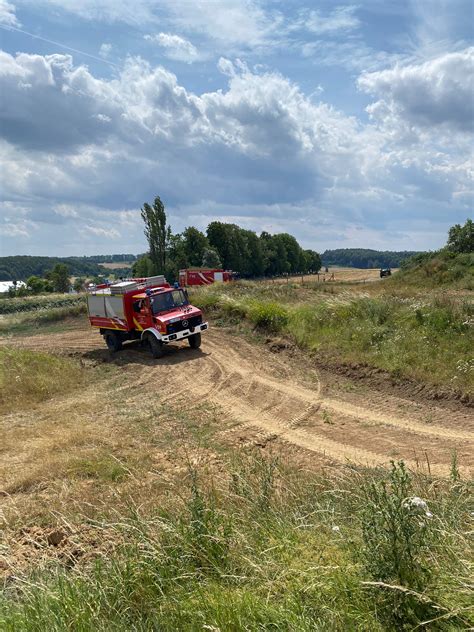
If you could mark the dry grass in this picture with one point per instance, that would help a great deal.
(116, 265)
(84, 454)
(337, 274)
(28, 377)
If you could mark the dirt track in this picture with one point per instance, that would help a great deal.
(278, 397)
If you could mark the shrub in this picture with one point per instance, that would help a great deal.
(270, 316)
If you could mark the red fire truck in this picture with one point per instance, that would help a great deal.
(146, 309)
(204, 276)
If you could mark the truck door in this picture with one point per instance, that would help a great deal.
(142, 314)
(218, 276)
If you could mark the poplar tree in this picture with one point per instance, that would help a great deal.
(156, 232)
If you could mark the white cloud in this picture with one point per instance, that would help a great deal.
(340, 19)
(17, 228)
(108, 233)
(227, 26)
(175, 47)
(134, 13)
(231, 24)
(352, 54)
(7, 14)
(82, 152)
(438, 92)
(105, 50)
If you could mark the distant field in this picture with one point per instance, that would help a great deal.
(340, 274)
(115, 265)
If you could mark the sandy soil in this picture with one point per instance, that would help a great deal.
(283, 397)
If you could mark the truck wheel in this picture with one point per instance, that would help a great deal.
(195, 341)
(156, 347)
(113, 342)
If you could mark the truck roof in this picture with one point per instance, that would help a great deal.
(153, 290)
(127, 286)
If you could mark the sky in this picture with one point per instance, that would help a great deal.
(346, 125)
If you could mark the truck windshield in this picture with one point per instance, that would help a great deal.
(168, 300)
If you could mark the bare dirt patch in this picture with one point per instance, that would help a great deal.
(282, 395)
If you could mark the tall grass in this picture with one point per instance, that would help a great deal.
(38, 302)
(28, 377)
(437, 269)
(429, 339)
(23, 322)
(267, 548)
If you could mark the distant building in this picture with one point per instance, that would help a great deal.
(6, 285)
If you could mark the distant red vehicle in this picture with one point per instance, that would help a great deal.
(204, 276)
(146, 309)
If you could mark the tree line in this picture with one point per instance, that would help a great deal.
(222, 245)
(21, 267)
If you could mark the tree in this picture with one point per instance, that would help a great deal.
(195, 243)
(254, 265)
(156, 232)
(312, 260)
(219, 238)
(211, 259)
(229, 244)
(144, 267)
(461, 238)
(79, 284)
(59, 277)
(281, 264)
(35, 284)
(293, 251)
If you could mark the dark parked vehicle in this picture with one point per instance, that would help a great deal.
(384, 272)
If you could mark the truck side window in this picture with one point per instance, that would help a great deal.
(137, 306)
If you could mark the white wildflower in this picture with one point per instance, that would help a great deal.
(415, 503)
(336, 529)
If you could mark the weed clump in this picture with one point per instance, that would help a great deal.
(398, 537)
(269, 316)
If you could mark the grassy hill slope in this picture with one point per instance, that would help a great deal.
(439, 268)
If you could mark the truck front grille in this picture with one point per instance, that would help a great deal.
(173, 328)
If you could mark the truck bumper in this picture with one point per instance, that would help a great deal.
(185, 333)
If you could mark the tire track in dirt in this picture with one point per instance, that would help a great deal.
(259, 389)
(313, 398)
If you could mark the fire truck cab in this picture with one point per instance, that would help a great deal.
(145, 309)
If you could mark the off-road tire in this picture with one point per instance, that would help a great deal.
(113, 342)
(156, 347)
(195, 341)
